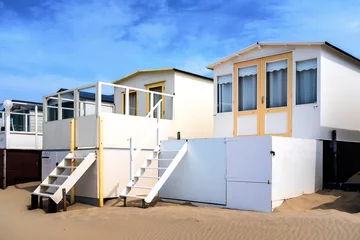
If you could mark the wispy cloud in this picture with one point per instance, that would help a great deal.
(45, 45)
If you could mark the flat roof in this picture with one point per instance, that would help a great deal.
(162, 70)
(259, 44)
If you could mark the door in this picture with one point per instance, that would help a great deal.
(156, 87)
(262, 96)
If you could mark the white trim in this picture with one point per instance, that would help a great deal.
(259, 45)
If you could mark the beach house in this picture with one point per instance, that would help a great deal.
(96, 143)
(20, 142)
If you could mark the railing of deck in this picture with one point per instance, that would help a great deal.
(70, 104)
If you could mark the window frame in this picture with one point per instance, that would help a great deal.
(123, 102)
(317, 82)
(217, 93)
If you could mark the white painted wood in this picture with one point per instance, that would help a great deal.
(276, 123)
(200, 176)
(249, 196)
(86, 131)
(57, 134)
(224, 125)
(70, 180)
(296, 167)
(248, 159)
(339, 96)
(119, 128)
(193, 106)
(306, 118)
(247, 125)
(23, 140)
(161, 179)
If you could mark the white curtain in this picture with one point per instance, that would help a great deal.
(224, 99)
(247, 88)
(306, 82)
(276, 84)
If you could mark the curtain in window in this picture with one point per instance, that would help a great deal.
(247, 88)
(224, 98)
(306, 75)
(276, 84)
(132, 105)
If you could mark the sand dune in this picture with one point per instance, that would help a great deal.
(325, 215)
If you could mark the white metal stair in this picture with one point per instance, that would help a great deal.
(62, 177)
(153, 190)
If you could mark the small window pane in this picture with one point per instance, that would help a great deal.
(132, 103)
(224, 94)
(247, 88)
(306, 82)
(276, 84)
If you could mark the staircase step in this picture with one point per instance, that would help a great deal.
(43, 194)
(161, 159)
(141, 187)
(67, 167)
(153, 177)
(59, 176)
(49, 185)
(74, 158)
(133, 196)
(159, 168)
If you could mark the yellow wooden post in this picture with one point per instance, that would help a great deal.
(72, 150)
(100, 160)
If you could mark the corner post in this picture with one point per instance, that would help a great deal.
(100, 160)
(98, 99)
(158, 124)
(72, 150)
(131, 161)
(151, 104)
(127, 103)
(36, 127)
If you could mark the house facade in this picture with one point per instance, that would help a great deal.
(301, 90)
(20, 142)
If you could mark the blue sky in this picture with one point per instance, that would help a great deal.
(47, 45)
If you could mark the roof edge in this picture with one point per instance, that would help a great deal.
(259, 44)
(160, 70)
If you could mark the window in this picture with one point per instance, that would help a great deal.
(306, 82)
(132, 103)
(224, 94)
(276, 84)
(247, 88)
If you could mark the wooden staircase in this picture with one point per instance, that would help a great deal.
(163, 173)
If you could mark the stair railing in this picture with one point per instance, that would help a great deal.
(133, 154)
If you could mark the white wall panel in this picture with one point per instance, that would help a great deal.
(224, 125)
(247, 125)
(193, 106)
(200, 176)
(86, 131)
(295, 167)
(56, 134)
(119, 128)
(249, 196)
(2, 140)
(25, 141)
(276, 123)
(248, 159)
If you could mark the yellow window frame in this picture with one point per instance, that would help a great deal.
(123, 102)
(154, 85)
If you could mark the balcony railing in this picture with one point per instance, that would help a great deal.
(101, 97)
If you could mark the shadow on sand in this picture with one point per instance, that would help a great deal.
(348, 202)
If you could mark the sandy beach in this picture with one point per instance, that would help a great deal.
(324, 215)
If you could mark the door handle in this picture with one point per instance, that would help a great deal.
(262, 99)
